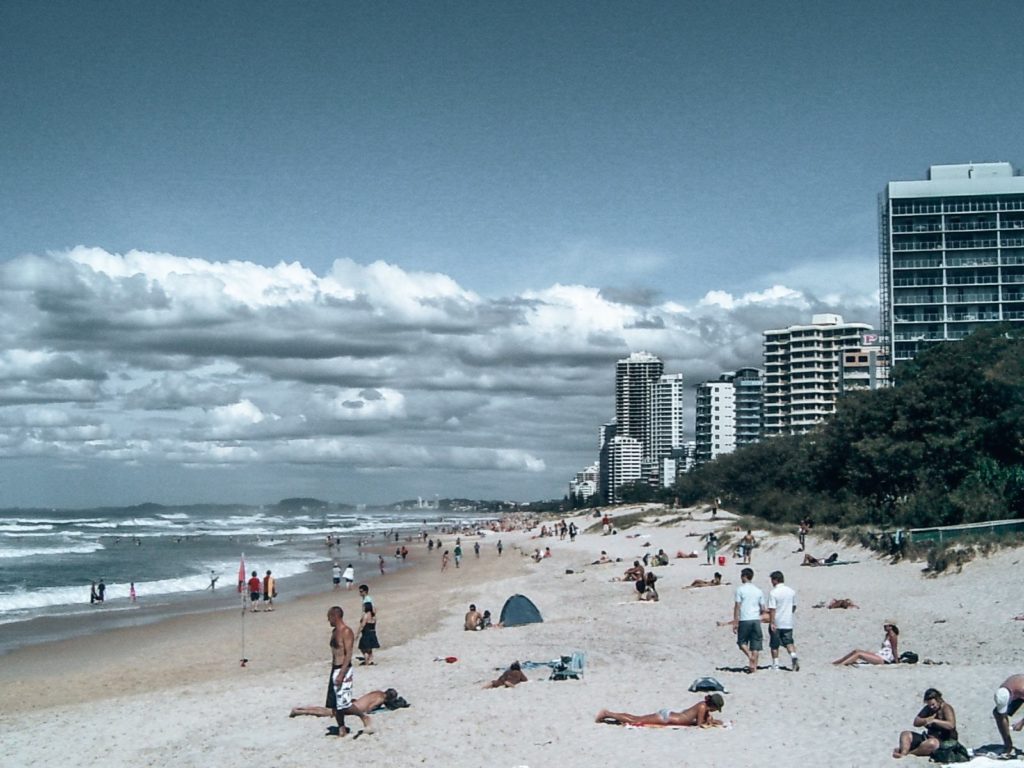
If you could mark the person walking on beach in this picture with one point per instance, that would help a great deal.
(368, 633)
(339, 686)
(349, 576)
(444, 561)
(364, 594)
(1009, 697)
(213, 581)
(781, 607)
(254, 592)
(269, 591)
(746, 618)
(336, 575)
(131, 592)
(476, 549)
(458, 554)
(711, 547)
(499, 547)
(747, 545)
(380, 563)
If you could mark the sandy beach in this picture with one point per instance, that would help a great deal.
(174, 694)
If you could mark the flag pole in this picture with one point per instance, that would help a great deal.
(241, 591)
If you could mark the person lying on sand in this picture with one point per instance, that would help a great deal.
(509, 678)
(713, 582)
(602, 559)
(765, 619)
(680, 554)
(365, 703)
(814, 561)
(839, 602)
(699, 715)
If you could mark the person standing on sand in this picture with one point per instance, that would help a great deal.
(711, 547)
(364, 594)
(349, 576)
(747, 545)
(1009, 697)
(269, 590)
(380, 562)
(458, 553)
(254, 592)
(336, 575)
(339, 687)
(476, 549)
(499, 547)
(781, 607)
(746, 618)
(444, 561)
(368, 641)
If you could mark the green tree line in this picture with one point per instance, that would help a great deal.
(944, 446)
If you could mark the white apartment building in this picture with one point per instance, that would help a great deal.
(952, 255)
(625, 457)
(585, 483)
(634, 378)
(666, 415)
(715, 430)
(803, 367)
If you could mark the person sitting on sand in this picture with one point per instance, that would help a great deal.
(645, 587)
(602, 559)
(811, 560)
(699, 715)
(634, 573)
(888, 654)
(473, 619)
(713, 582)
(485, 620)
(510, 678)
(939, 721)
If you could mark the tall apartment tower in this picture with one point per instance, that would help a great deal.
(666, 415)
(624, 454)
(749, 386)
(634, 379)
(803, 370)
(952, 255)
(715, 428)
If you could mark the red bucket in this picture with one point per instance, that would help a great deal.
(721, 559)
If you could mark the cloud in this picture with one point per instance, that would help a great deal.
(158, 362)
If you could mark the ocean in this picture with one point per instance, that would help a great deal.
(50, 558)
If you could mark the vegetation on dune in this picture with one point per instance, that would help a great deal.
(944, 446)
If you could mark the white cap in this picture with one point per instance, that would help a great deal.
(1002, 700)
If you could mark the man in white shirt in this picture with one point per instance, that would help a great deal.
(781, 607)
(746, 618)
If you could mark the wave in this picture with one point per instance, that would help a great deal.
(21, 601)
(85, 548)
(24, 526)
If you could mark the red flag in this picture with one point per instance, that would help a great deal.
(241, 574)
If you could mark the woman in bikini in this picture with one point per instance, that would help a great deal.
(699, 715)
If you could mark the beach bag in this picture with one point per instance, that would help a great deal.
(951, 751)
(706, 684)
(908, 657)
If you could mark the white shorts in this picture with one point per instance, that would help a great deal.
(343, 691)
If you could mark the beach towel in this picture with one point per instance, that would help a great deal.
(563, 668)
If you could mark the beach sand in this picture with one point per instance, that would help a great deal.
(173, 694)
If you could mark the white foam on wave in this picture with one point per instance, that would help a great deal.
(21, 527)
(84, 548)
(15, 604)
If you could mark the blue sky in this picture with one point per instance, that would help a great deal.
(502, 199)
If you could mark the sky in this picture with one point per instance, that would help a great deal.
(374, 251)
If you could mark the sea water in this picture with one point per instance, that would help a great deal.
(49, 560)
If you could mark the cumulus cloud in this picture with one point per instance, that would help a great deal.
(155, 360)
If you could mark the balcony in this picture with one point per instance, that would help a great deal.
(972, 261)
(972, 279)
(916, 282)
(972, 298)
(917, 298)
(917, 263)
(917, 245)
(968, 317)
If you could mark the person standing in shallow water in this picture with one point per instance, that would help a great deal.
(444, 561)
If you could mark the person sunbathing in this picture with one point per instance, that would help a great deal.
(365, 703)
(839, 602)
(510, 678)
(815, 561)
(888, 654)
(698, 715)
(714, 582)
(602, 559)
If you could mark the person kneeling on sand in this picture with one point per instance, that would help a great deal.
(939, 721)
(510, 678)
(699, 715)
(473, 619)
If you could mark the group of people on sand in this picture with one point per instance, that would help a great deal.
(939, 738)
(475, 620)
(265, 588)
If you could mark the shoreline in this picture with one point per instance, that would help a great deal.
(640, 657)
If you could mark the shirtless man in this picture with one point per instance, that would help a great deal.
(473, 619)
(339, 686)
(699, 715)
(1009, 697)
(635, 573)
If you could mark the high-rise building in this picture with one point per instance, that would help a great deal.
(715, 430)
(952, 255)
(584, 484)
(749, 386)
(604, 460)
(625, 465)
(802, 371)
(634, 378)
(666, 415)
(864, 367)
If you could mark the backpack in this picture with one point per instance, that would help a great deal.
(908, 657)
